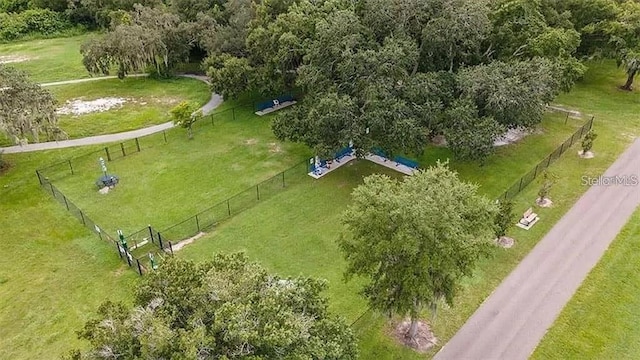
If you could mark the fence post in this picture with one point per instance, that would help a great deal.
(171, 248)
(160, 240)
(118, 249)
(283, 185)
(53, 192)
(567, 118)
(535, 173)
(228, 207)
(150, 232)
(66, 204)
(591, 122)
(549, 160)
(164, 133)
(122, 148)
(211, 116)
(197, 223)
(233, 111)
(137, 145)
(126, 254)
(39, 177)
(70, 166)
(561, 148)
(520, 186)
(258, 191)
(139, 267)
(82, 217)
(106, 150)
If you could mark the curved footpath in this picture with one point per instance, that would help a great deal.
(514, 318)
(213, 103)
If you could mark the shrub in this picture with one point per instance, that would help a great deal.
(13, 6)
(37, 21)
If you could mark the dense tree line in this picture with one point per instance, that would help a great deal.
(378, 73)
(386, 74)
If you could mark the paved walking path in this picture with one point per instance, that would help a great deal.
(213, 103)
(514, 318)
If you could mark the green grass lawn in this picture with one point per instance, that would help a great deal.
(602, 320)
(49, 60)
(235, 154)
(265, 233)
(53, 272)
(166, 183)
(148, 102)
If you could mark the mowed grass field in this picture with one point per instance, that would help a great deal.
(48, 60)
(54, 273)
(168, 182)
(147, 102)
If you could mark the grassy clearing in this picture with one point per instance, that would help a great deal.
(265, 233)
(53, 273)
(309, 248)
(166, 183)
(37, 318)
(510, 162)
(238, 154)
(49, 60)
(148, 102)
(602, 320)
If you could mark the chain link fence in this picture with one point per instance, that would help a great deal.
(208, 218)
(525, 180)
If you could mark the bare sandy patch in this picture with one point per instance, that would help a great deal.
(178, 246)
(274, 148)
(81, 107)
(423, 341)
(505, 242)
(9, 59)
(586, 155)
(512, 136)
(250, 141)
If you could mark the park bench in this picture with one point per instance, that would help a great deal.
(406, 162)
(528, 219)
(342, 153)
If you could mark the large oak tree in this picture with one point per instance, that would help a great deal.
(414, 240)
(225, 308)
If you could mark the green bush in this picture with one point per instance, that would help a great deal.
(13, 6)
(37, 21)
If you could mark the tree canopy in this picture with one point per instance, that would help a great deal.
(27, 111)
(414, 240)
(393, 67)
(226, 308)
